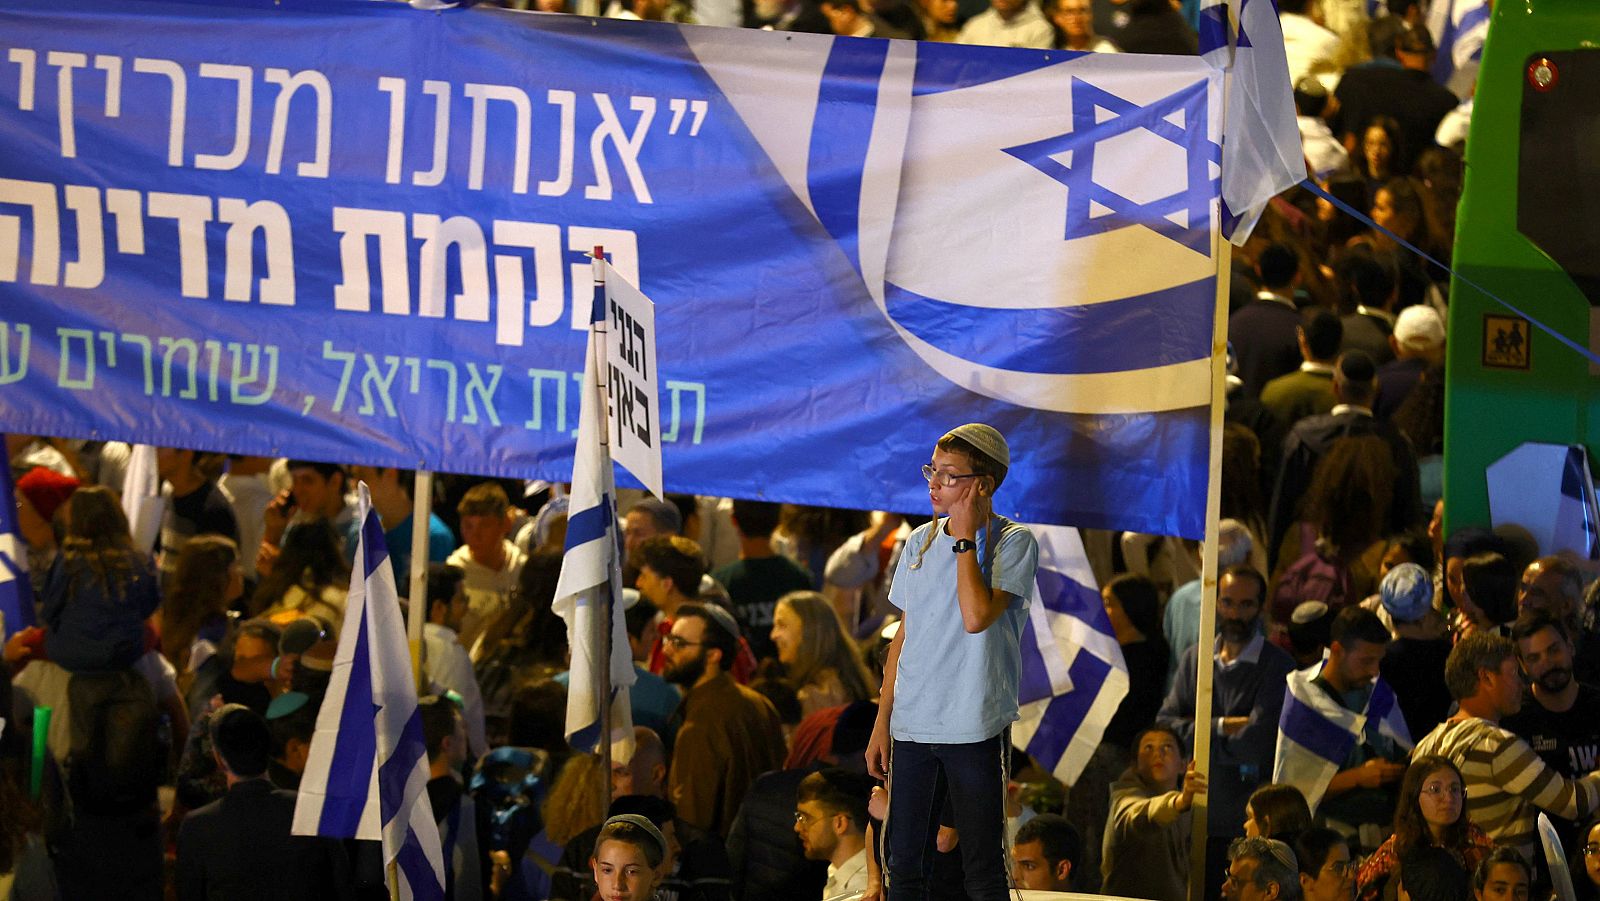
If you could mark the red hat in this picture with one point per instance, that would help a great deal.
(46, 490)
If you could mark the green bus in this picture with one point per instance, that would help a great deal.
(1528, 230)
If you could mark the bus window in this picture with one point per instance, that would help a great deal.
(1558, 177)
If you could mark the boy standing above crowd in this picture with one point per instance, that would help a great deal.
(950, 682)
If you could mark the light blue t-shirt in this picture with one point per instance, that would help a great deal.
(954, 687)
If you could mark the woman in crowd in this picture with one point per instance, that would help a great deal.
(1345, 513)
(1488, 597)
(1586, 879)
(820, 661)
(1277, 811)
(1432, 813)
(1327, 871)
(1380, 148)
(208, 579)
(572, 804)
(100, 589)
(1073, 21)
(309, 577)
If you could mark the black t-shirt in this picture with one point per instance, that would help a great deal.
(1425, 700)
(754, 586)
(1567, 742)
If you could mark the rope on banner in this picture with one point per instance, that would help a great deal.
(1364, 219)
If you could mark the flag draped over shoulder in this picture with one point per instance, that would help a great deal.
(591, 583)
(1316, 733)
(1261, 152)
(367, 773)
(1073, 673)
(16, 592)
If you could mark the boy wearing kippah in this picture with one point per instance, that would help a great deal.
(950, 682)
(628, 858)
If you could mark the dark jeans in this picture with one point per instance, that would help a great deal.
(921, 778)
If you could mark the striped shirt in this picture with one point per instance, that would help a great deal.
(1507, 783)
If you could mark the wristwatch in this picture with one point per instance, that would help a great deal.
(964, 545)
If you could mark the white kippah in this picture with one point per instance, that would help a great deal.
(986, 439)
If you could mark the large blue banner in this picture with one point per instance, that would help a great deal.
(357, 232)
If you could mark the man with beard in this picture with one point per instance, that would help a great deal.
(1363, 791)
(728, 735)
(1248, 676)
(1562, 725)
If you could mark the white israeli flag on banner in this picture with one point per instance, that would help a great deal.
(1316, 733)
(591, 584)
(367, 774)
(1101, 265)
(1073, 673)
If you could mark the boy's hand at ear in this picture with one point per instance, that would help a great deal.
(971, 508)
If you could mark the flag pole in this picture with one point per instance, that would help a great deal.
(1222, 251)
(597, 347)
(421, 516)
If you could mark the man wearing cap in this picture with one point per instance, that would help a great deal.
(1418, 343)
(951, 678)
(1310, 439)
(1421, 645)
(728, 734)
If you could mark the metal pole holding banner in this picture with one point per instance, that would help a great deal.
(1223, 251)
(421, 516)
(597, 347)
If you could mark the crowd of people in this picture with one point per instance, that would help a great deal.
(176, 681)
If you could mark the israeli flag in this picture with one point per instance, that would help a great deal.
(1458, 28)
(1576, 527)
(16, 591)
(367, 773)
(1316, 733)
(591, 583)
(1261, 152)
(1073, 673)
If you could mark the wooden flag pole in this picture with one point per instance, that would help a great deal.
(1222, 250)
(597, 347)
(421, 515)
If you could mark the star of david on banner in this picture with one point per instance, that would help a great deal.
(1092, 207)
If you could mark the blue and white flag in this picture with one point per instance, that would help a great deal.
(1577, 520)
(1261, 151)
(1316, 733)
(367, 774)
(16, 591)
(590, 586)
(1458, 28)
(231, 226)
(1073, 673)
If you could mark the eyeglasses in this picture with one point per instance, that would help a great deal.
(944, 479)
(1340, 868)
(674, 641)
(803, 819)
(1438, 789)
(1591, 850)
